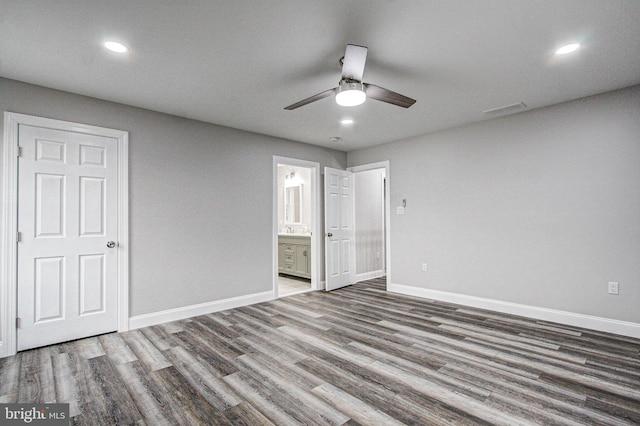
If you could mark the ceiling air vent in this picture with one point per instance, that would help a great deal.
(507, 109)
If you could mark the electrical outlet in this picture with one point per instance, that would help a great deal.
(400, 210)
(613, 288)
(424, 267)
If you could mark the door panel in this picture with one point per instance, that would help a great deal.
(92, 285)
(92, 207)
(340, 232)
(67, 212)
(48, 301)
(50, 205)
(345, 255)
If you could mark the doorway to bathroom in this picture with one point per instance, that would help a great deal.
(296, 249)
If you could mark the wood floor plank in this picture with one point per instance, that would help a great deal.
(36, 378)
(204, 379)
(396, 402)
(626, 410)
(315, 409)
(245, 414)
(66, 386)
(262, 345)
(117, 349)
(258, 397)
(285, 368)
(577, 375)
(171, 327)
(355, 408)
(434, 376)
(546, 408)
(498, 380)
(391, 346)
(92, 402)
(291, 307)
(201, 329)
(9, 375)
(453, 353)
(186, 400)
(272, 344)
(257, 316)
(10, 368)
(211, 324)
(89, 348)
(149, 397)
(149, 355)
(205, 353)
(449, 397)
(117, 406)
(222, 318)
(158, 336)
(609, 403)
(356, 355)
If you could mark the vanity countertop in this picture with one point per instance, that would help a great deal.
(294, 235)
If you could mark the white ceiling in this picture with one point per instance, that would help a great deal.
(238, 63)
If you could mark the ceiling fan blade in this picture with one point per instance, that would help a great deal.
(386, 95)
(313, 98)
(353, 63)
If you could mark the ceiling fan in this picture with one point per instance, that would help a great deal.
(351, 90)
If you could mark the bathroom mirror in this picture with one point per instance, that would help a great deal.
(293, 204)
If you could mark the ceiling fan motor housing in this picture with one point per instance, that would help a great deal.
(350, 93)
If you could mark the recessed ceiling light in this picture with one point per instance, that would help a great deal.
(568, 48)
(335, 139)
(115, 46)
(346, 121)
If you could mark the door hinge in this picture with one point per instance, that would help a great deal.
(18, 236)
(17, 322)
(19, 154)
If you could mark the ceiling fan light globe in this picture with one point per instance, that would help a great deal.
(350, 94)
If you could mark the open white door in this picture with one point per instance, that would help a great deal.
(68, 223)
(339, 228)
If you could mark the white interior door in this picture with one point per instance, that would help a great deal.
(68, 227)
(339, 228)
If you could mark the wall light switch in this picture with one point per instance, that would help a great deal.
(613, 288)
(400, 210)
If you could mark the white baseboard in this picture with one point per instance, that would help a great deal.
(608, 325)
(370, 275)
(176, 314)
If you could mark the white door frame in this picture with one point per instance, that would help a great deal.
(316, 284)
(9, 249)
(387, 209)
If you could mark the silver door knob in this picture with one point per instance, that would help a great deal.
(111, 244)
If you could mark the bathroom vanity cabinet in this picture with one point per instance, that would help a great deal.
(294, 255)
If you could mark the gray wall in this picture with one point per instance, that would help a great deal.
(200, 197)
(540, 208)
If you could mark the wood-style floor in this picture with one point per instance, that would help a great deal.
(358, 355)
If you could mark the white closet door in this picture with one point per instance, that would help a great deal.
(67, 250)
